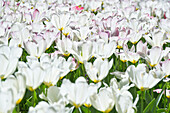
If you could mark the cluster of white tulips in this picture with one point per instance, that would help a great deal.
(84, 56)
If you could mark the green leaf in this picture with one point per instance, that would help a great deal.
(148, 97)
(85, 110)
(149, 106)
(162, 110)
(14, 111)
(159, 98)
(169, 107)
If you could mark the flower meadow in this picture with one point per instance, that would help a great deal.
(84, 56)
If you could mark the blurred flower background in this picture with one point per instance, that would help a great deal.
(84, 56)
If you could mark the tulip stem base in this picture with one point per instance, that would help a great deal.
(142, 94)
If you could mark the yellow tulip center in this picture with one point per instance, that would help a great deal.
(67, 54)
(142, 88)
(119, 47)
(87, 105)
(48, 84)
(133, 61)
(19, 100)
(61, 29)
(96, 81)
(76, 105)
(31, 89)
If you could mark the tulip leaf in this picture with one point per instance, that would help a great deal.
(14, 111)
(85, 110)
(159, 98)
(162, 110)
(148, 97)
(149, 106)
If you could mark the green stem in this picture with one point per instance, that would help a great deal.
(83, 69)
(152, 93)
(124, 66)
(135, 47)
(113, 67)
(34, 98)
(142, 102)
(77, 110)
(18, 110)
(165, 96)
(119, 61)
(61, 32)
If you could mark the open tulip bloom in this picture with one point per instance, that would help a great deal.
(142, 79)
(84, 56)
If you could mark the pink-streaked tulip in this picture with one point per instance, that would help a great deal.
(135, 31)
(19, 35)
(142, 47)
(36, 47)
(49, 37)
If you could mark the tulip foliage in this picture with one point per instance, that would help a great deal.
(84, 56)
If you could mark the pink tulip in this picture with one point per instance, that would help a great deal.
(78, 8)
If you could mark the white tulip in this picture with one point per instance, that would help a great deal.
(93, 88)
(60, 20)
(124, 102)
(99, 69)
(54, 96)
(18, 86)
(36, 47)
(44, 107)
(104, 49)
(64, 46)
(153, 56)
(142, 79)
(158, 38)
(55, 68)
(77, 92)
(9, 57)
(34, 73)
(82, 51)
(7, 103)
(103, 101)
(82, 33)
